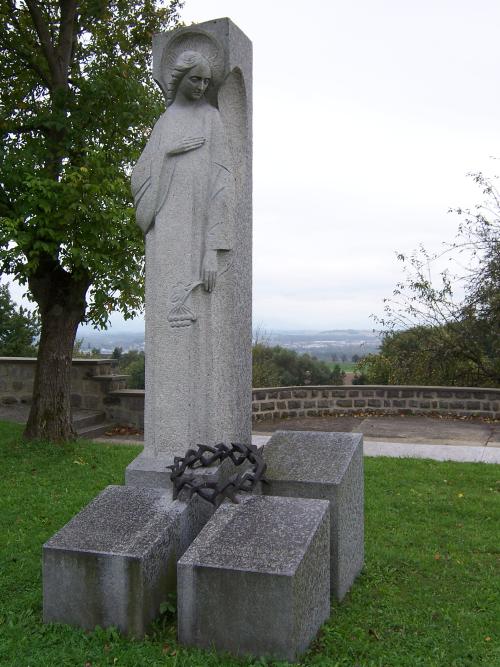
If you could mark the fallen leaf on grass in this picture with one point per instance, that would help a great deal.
(80, 462)
(123, 430)
(167, 650)
(437, 556)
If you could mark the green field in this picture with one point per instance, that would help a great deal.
(347, 366)
(429, 594)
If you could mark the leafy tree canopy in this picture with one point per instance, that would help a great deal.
(77, 102)
(18, 328)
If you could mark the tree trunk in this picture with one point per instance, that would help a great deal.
(61, 301)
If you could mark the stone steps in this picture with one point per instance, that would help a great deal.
(84, 418)
(113, 381)
(95, 431)
(91, 424)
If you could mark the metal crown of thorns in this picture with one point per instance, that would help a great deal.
(215, 492)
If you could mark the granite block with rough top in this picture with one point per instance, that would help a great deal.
(307, 464)
(115, 561)
(256, 580)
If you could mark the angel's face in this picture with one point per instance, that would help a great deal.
(195, 82)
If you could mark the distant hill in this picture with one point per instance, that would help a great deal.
(342, 343)
(106, 341)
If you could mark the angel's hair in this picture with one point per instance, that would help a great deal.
(186, 61)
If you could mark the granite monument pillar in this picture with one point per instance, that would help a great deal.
(192, 191)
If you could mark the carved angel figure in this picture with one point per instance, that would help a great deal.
(183, 179)
(183, 188)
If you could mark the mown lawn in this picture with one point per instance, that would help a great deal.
(429, 593)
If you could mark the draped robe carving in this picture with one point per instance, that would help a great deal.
(185, 206)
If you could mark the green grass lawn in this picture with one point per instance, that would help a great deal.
(429, 593)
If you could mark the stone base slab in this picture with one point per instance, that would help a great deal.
(115, 561)
(256, 580)
(313, 464)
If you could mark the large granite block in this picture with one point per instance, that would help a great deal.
(115, 561)
(256, 580)
(306, 464)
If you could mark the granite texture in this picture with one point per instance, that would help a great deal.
(256, 580)
(115, 561)
(198, 348)
(153, 471)
(306, 464)
(149, 470)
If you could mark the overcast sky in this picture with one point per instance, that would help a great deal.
(367, 117)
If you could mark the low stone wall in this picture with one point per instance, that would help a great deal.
(94, 386)
(126, 406)
(280, 402)
(16, 379)
(91, 381)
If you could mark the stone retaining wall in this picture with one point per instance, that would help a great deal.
(91, 381)
(279, 402)
(96, 387)
(126, 407)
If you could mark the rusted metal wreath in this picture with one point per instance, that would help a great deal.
(204, 456)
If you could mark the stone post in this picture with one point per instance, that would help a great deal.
(192, 189)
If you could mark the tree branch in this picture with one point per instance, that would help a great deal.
(66, 35)
(25, 55)
(43, 33)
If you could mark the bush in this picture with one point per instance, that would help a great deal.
(133, 364)
(278, 367)
(422, 355)
(272, 367)
(444, 329)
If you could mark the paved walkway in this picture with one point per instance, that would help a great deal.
(396, 436)
(405, 436)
